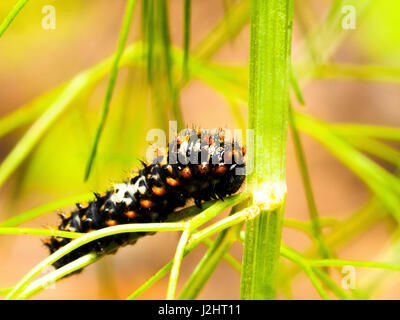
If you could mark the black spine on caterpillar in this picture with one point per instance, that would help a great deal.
(198, 165)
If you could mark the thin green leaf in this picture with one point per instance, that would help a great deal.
(111, 82)
(312, 206)
(11, 15)
(43, 209)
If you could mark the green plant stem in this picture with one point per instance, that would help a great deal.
(210, 261)
(312, 206)
(4, 291)
(199, 236)
(51, 278)
(354, 263)
(11, 16)
(111, 82)
(307, 226)
(192, 243)
(385, 185)
(41, 232)
(173, 280)
(209, 213)
(376, 148)
(303, 263)
(332, 285)
(375, 73)
(270, 46)
(66, 96)
(241, 216)
(142, 227)
(227, 257)
(217, 250)
(238, 16)
(364, 218)
(367, 131)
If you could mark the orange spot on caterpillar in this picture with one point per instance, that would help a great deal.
(220, 169)
(244, 150)
(186, 173)
(111, 223)
(203, 168)
(130, 214)
(146, 203)
(158, 191)
(170, 169)
(172, 182)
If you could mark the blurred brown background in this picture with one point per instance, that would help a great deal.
(33, 60)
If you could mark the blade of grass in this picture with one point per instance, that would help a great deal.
(112, 80)
(11, 15)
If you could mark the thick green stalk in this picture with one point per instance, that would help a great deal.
(270, 46)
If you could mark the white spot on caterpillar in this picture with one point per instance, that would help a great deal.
(120, 193)
(137, 187)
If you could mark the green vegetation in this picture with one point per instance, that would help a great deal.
(156, 72)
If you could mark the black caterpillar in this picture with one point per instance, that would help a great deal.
(198, 164)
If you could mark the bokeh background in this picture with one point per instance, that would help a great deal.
(34, 61)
